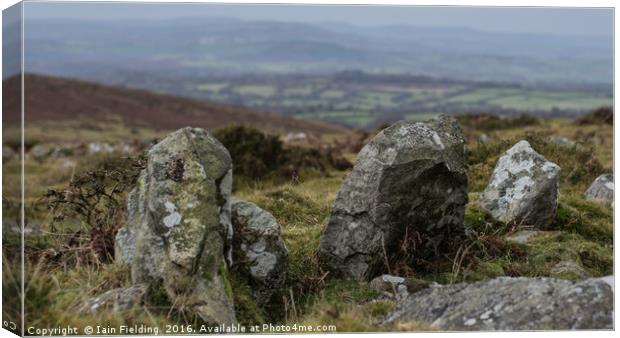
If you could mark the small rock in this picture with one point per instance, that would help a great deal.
(569, 270)
(410, 178)
(400, 287)
(8, 153)
(484, 138)
(602, 189)
(99, 147)
(522, 236)
(562, 141)
(258, 248)
(508, 303)
(116, 300)
(523, 188)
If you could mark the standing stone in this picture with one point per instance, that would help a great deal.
(523, 188)
(178, 231)
(258, 249)
(602, 189)
(508, 303)
(410, 180)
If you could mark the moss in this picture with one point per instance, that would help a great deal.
(485, 270)
(226, 280)
(548, 249)
(246, 309)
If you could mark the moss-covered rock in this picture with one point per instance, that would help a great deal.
(179, 228)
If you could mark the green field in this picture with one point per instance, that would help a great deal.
(366, 104)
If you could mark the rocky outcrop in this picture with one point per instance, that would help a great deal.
(507, 303)
(116, 300)
(523, 188)
(179, 231)
(602, 189)
(258, 249)
(409, 179)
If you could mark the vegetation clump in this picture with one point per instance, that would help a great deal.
(257, 155)
(488, 122)
(94, 202)
(602, 115)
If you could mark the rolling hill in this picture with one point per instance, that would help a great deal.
(61, 99)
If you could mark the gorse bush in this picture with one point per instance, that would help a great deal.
(603, 115)
(257, 155)
(488, 122)
(96, 201)
(254, 153)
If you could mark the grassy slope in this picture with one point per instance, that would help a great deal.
(583, 232)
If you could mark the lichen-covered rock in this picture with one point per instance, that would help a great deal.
(523, 188)
(115, 300)
(508, 303)
(178, 229)
(602, 189)
(258, 248)
(409, 179)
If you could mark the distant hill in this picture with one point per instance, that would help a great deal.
(56, 99)
(105, 50)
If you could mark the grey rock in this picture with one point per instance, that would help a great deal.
(410, 178)
(484, 138)
(115, 300)
(8, 153)
(258, 248)
(99, 147)
(522, 236)
(394, 287)
(508, 303)
(523, 188)
(569, 270)
(562, 141)
(602, 189)
(44, 151)
(178, 228)
(609, 280)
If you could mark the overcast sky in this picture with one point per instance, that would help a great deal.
(560, 21)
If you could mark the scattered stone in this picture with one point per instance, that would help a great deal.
(259, 249)
(508, 303)
(394, 287)
(410, 178)
(8, 153)
(484, 138)
(602, 189)
(522, 236)
(44, 151)
(569, 270)
(562, 141)
(99, 147)
(116, 300)
(178, 229)
(523, 188)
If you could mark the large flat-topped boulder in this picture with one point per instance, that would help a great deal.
(408, 180)
(179, 231)
(523, 188)
(507, 303)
